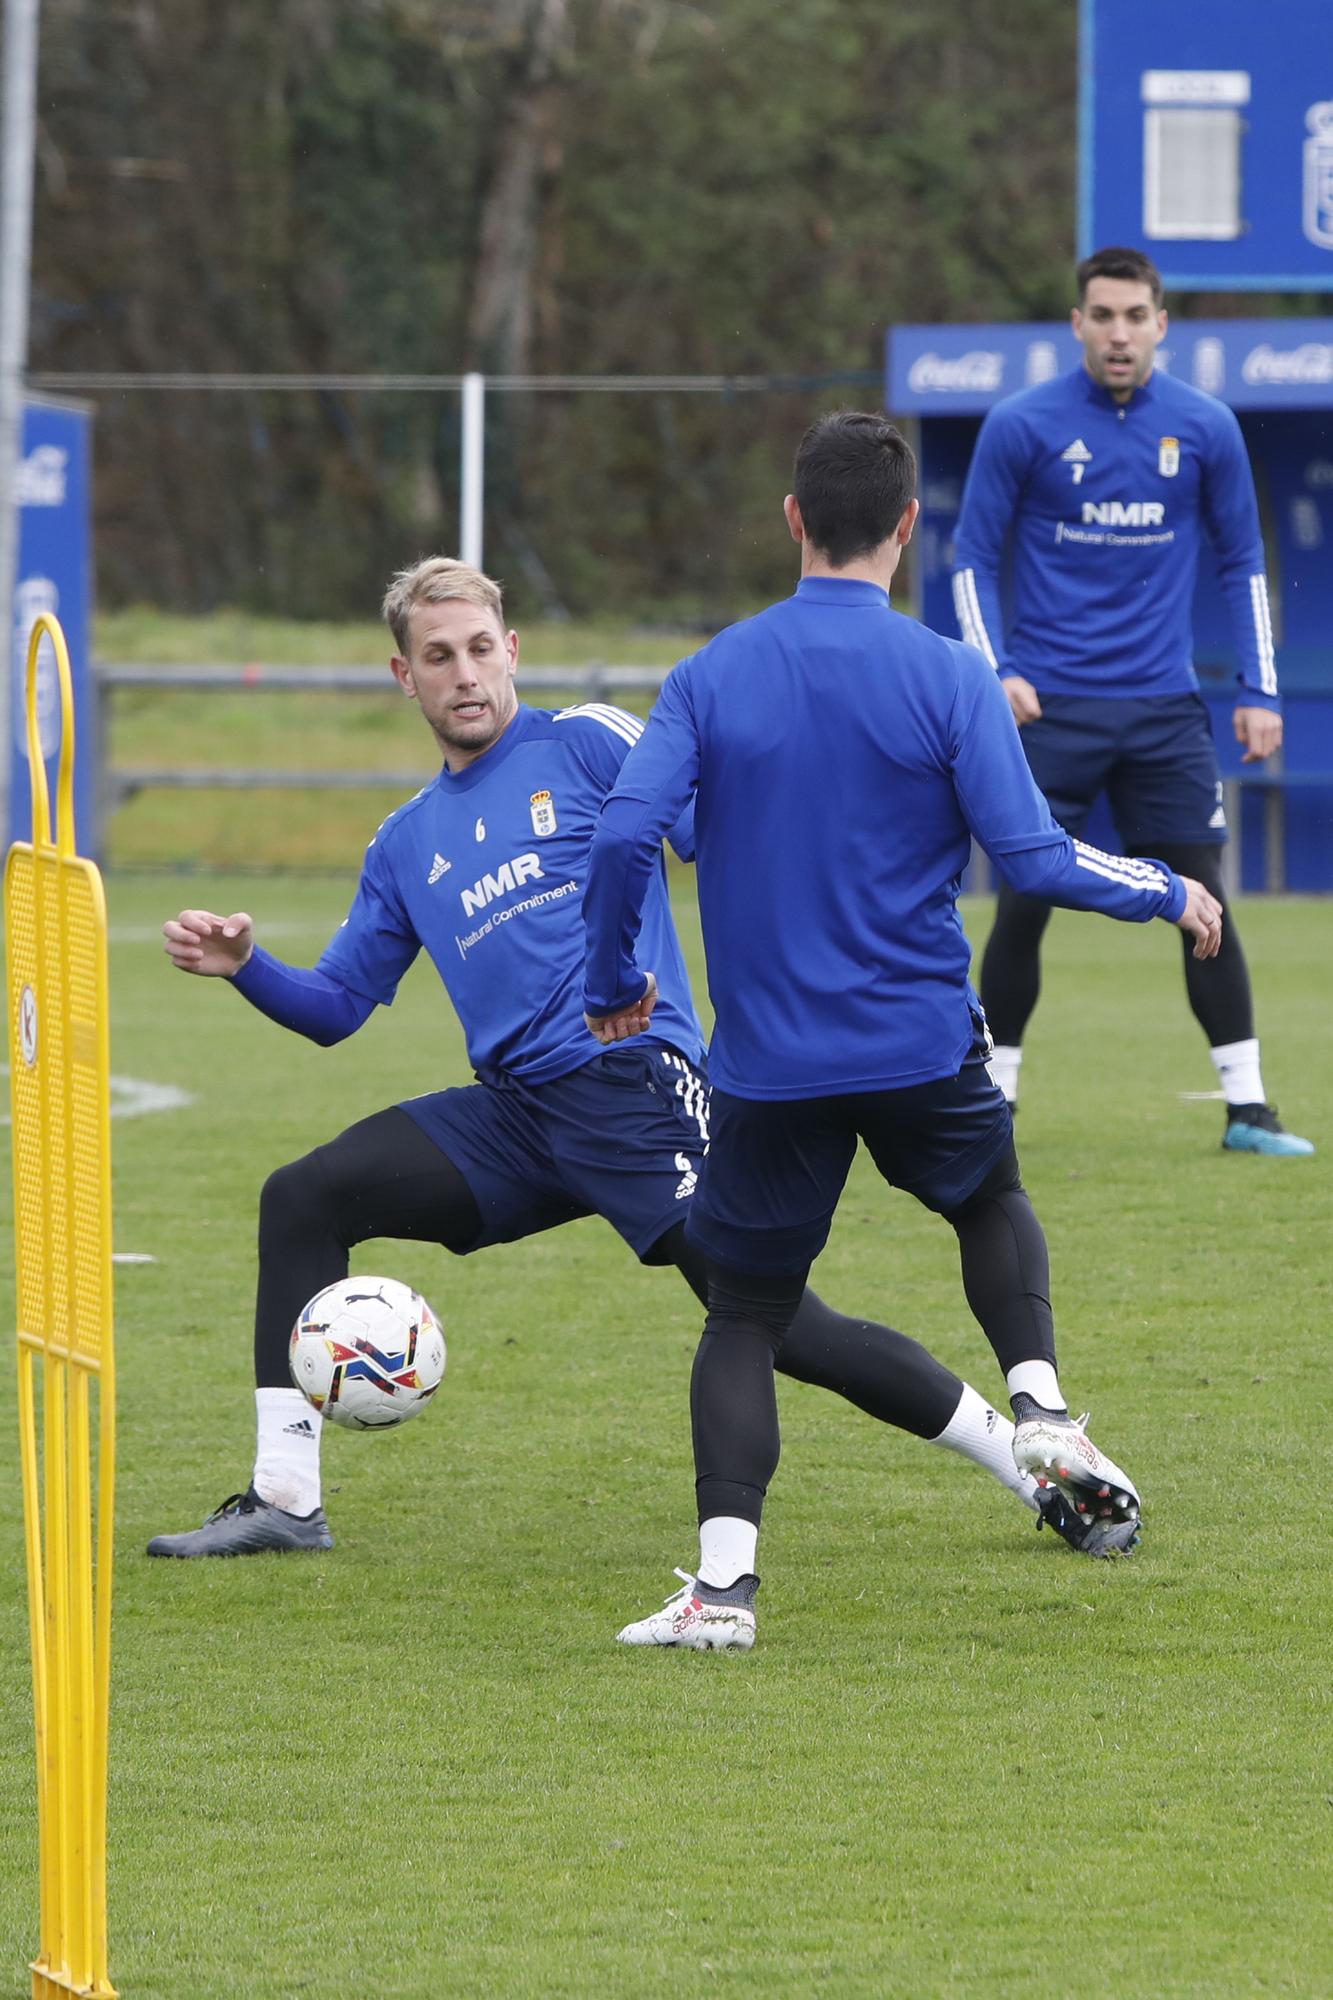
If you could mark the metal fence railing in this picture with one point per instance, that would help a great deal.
(116, 784)
(595, 681)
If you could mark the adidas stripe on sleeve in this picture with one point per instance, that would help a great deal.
(967, 610)
(619, 721)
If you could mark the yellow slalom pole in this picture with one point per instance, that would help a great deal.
(55, 925)
(106, 1489)
(52, 1775)
(32, 1523)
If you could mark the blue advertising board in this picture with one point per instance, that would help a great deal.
(53, 573)
(1253, 364)
(1278, 376)
(1206, 139)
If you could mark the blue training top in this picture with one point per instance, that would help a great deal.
(485, 869)
(1104, 504)
(843, 757)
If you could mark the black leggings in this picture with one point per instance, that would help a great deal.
(384, 1177)
(752, 1321)
(1218, 988)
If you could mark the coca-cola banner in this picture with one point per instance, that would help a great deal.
(1278, 374)
(1253, 364)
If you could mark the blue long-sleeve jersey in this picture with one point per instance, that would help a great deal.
(1104, 505)
(841, 758)
(484, 869)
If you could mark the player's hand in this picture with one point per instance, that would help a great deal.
(216, 947)
(629, 1021)
(1260, 731)
(1022, 699)
(1202, 917)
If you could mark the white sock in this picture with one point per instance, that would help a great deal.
(980, 1433)
(726, 1550)
(286, 1470)
(1004, 1065)
(1039, 1380)
(1237, 1066)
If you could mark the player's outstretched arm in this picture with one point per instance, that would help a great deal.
(627, 1021)
(1202, 917)
(312, 1003)
(212, 946)
(1012, 820)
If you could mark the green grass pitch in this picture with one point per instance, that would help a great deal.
(961, 1760)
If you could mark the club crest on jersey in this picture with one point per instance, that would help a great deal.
(543, 813)
(1168, 457)
(1078, 458)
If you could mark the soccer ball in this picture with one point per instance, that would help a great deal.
(367, 1352)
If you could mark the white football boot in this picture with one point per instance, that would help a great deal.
(698, 1620)
(1057, 1451)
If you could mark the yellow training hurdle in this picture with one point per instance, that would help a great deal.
(55, 925)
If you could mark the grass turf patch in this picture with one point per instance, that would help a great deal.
(959, 1756)
(152, 731)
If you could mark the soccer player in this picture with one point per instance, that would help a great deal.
(484, 870)
(1103, 483)
(840, 759)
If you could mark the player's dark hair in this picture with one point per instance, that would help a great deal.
(1131, 265)
(855, 476)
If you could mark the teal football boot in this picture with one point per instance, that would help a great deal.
(1256, 1128)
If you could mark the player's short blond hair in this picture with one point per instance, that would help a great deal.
(436, 580)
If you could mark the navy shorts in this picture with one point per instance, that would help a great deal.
(1156, 761)
(776, 1169)
(622, 1137)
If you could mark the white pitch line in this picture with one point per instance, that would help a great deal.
(152, 933)
(133, 1097)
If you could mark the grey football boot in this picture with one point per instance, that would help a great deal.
(1090, 1536)
(245, 1525)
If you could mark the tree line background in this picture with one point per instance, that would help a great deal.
(525, 187)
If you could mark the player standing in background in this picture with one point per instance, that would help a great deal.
(1103, 482)
(841, 758)
(484, 870)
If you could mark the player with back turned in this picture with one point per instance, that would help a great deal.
(1103, 484)
(484, 871)
(841, 758)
